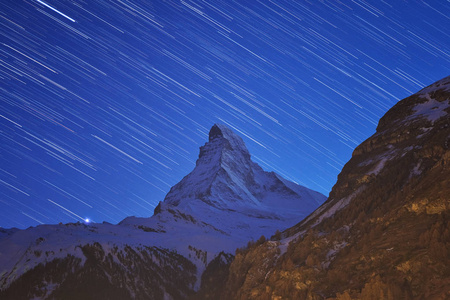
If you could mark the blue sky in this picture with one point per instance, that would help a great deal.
(104, 104)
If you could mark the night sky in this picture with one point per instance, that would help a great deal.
(104, 104)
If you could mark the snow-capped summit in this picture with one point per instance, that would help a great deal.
(227, 179)
(223, 157)
(220, 131)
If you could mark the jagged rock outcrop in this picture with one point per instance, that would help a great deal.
(226, 201)
(383, 233)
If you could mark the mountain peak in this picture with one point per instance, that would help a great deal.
(219, 130)
(225, 177)
(225, 153)
(222, 132)
(215, 131)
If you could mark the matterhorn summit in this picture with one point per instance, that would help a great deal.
(225, 177)
(225, 202)
(222, 175)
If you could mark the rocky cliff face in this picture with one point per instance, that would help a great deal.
(384, 231)
(226, 201)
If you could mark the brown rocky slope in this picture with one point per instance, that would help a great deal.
(384, 231)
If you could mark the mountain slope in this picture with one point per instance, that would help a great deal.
(384, 231)
(226, 201)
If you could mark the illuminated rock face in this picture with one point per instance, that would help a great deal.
(384, 231)
(226, 201)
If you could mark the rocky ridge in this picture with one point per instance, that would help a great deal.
(384, 231)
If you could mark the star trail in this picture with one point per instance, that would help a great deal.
(105, 103)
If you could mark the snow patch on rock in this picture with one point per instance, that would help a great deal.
(380, 165)
(337, 206)
(433, 110)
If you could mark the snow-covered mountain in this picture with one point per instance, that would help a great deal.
(229, 197)
(226, 201)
